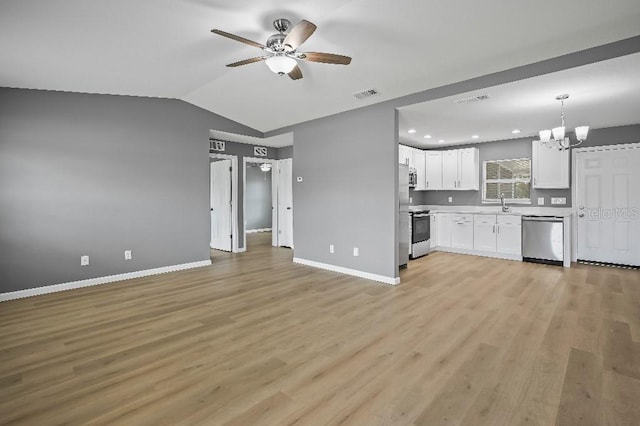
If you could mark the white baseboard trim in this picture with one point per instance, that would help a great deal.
(347, 271)
(252, 231)
(480, 253)
(100, 280)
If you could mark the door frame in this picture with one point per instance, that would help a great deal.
(574, 186)
(234, 197)
(274, 197)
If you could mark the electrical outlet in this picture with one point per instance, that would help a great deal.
(84, 260)
(558, 200)
(541, 201)
(451, 199)
(355, 251)
(330, 248)
(127, 255)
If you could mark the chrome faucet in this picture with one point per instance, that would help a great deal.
(505, 207)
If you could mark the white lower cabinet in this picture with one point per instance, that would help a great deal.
(462, 231)
(509, 233)
(482, 234)
(444, 230)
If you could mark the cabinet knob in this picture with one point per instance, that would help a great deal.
(581, 215)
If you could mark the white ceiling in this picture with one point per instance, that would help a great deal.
(603, 94)
(164, 48)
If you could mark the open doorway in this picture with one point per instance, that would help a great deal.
(261, 206)
(260, 190)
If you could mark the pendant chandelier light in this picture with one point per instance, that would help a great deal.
(558, 133)
(265, 167)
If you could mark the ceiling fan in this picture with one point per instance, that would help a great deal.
(282, 55)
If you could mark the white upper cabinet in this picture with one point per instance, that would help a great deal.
(550, 167)
(450, 169)
(468, 169)
(419, 164)
(433, 165)
(460, 169)
(404, 152)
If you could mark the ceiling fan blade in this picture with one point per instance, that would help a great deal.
(298, 35)
(238, 38)
(327, 58)
(295, 73)
(247, 61)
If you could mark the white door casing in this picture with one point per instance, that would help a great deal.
(220, 199)
(607, 204)
(274, 196)
(285, 203)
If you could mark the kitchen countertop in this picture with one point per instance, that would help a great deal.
(497, 210)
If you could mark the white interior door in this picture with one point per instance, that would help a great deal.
(608, 206)
(285, 203)
(221, 205)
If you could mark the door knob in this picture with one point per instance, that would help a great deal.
(581, 215)
(581, 207)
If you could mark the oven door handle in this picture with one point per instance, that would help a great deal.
(421, 215)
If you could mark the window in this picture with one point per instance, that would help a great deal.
(511, 178)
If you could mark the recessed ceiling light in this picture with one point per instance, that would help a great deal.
(427, 136)
(475, 137)
(412, 130)
(441, 141)
(515, 131)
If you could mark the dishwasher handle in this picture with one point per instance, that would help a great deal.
(542, 218)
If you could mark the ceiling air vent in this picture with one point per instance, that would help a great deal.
(366, 93)
(471, 99)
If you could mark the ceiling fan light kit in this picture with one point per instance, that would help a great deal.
(282, 56)
(559, 140)
(281, 64)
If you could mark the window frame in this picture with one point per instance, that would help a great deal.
(512, 181)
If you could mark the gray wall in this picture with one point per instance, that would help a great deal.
(346, 198)
(285, 152)
(350, 163)
(97, 175)
(242, 150)
(520, 148)
(258, 197)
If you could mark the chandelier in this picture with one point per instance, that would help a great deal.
(555, 138)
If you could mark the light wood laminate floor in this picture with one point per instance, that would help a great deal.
(257, 340)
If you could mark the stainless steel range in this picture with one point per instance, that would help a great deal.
(420, 233)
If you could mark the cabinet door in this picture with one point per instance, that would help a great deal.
(462, 231)
(403, 154)
(550, 167)
(434, 230)
(410, 153)
(419, 163)
(484, 233)
(433, 166)
(450, 169)
(509, 233)
(468, 169)
(444, 230)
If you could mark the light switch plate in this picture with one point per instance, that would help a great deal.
(330, 248)
(356, 252)
(84, 260)
(451, 199)
(558, 200)
(541, 201)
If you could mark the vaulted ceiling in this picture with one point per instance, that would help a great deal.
(164, 48)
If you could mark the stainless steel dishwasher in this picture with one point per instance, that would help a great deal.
(543, 239)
